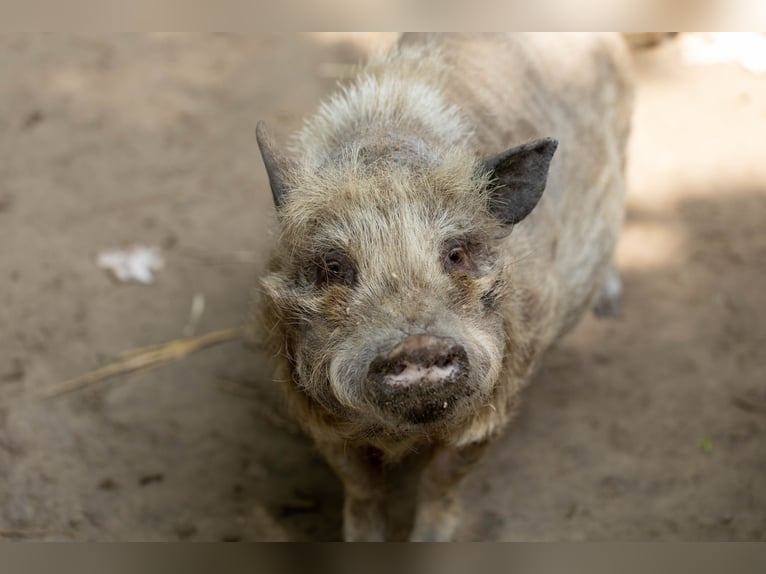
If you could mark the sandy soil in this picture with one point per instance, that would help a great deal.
(648, 427)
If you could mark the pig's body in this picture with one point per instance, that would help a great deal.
(387, 174)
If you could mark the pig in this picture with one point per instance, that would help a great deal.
(442, 221)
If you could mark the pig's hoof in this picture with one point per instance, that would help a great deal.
(443, 532)
(437, 522)
(608, 307)
(363, 520)
(609, 301)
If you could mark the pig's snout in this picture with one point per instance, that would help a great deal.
(422, 380)
(420, 360)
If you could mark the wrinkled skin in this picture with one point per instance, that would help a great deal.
(420, 271)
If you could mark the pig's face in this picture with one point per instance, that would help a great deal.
(391, 286)
(386, 286)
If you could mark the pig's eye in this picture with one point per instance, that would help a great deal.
(336, 268)
(456, 258)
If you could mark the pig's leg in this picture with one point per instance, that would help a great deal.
(438, 513)
(360, 471)
(609, 301)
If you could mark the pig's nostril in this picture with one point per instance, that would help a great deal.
(398, 369)
(422, 359)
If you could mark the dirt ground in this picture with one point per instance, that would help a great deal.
(651, 427)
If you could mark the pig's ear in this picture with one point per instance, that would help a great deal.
(518, 178)
(276, 164)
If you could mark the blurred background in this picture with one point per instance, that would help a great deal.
(649, 427)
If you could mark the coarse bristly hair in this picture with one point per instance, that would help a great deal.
(431, 248)
(386, 174)
(397, 92)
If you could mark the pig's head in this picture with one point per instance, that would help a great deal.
(385, 287)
